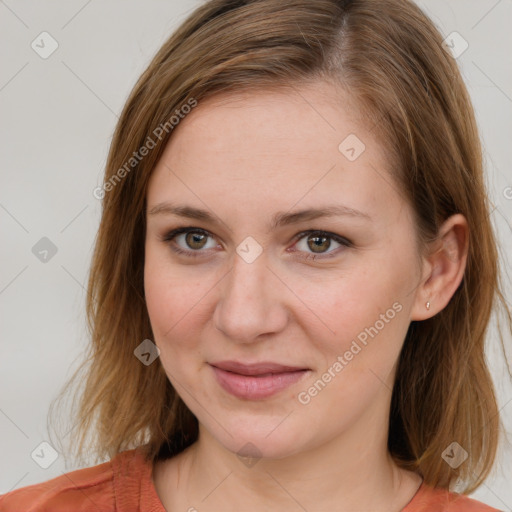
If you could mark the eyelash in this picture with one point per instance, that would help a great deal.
(169, 237)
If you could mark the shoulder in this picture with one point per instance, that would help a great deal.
(92, 488)
(432, 499)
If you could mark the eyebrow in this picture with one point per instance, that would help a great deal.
(278, 220)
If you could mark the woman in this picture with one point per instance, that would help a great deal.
(294, 274)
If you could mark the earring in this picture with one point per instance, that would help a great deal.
(427, 305)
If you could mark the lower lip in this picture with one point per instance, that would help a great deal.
(253, 387)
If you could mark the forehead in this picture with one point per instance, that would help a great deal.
(282, 145)
(285, 121)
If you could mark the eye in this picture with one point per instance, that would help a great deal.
(193, 240)
(319, 242)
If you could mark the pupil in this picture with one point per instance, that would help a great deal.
(318, 243)
(196, 238)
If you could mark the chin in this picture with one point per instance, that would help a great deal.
(248, 439)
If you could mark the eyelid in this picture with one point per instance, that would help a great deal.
(171, 235)
(321, 232)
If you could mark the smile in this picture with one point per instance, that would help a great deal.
(253, 383)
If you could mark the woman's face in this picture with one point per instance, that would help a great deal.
(257, 283)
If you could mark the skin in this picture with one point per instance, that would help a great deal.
(244, 157)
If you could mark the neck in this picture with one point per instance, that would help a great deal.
(343, 473)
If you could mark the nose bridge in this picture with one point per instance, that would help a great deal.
(247, 306)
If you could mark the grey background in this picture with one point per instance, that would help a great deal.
(58, 115)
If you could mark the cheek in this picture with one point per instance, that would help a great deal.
(356, 361)
(177, 307)
(171, 315)
(364, 314)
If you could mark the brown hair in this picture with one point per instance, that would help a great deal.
(388, 55)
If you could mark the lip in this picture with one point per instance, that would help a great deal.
(256, 380)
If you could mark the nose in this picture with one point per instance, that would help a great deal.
(252, 302)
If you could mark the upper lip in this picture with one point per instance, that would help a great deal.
(255, 368)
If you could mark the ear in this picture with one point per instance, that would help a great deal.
(443, 268)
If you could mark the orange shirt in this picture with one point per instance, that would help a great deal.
(124, 484)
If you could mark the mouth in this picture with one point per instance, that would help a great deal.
(257, 380)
